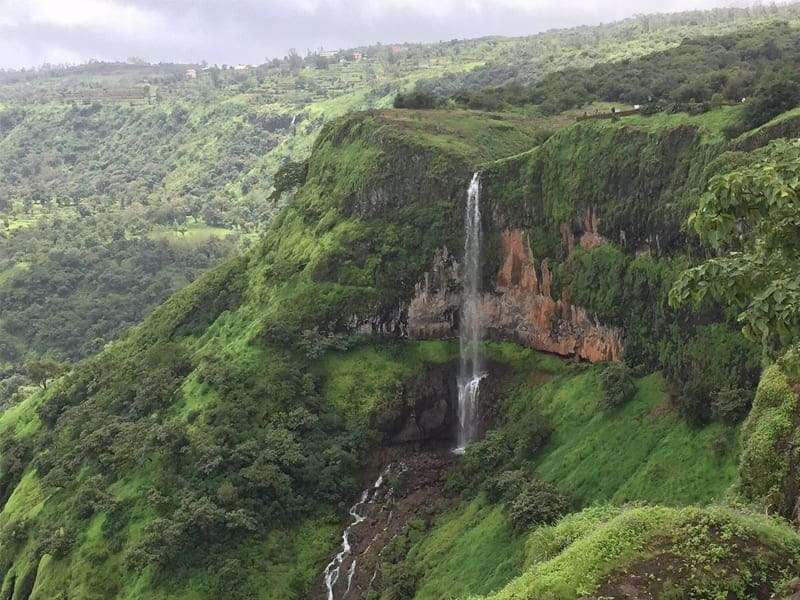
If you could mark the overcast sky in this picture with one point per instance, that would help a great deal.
(233, 31)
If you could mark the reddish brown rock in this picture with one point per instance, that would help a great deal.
(520, 309)
(517, 270)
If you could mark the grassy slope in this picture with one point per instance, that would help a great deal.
(642, 452)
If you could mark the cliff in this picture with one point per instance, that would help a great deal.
(214, 449)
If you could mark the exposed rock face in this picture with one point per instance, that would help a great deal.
(521, 308)
(433, 311)
(588, 234)
(425, 408)
(430, 407)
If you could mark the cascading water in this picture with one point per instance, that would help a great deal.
(470, 368)
(361, 511)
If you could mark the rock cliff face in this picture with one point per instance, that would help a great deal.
(521, 308)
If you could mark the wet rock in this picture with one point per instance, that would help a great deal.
(521, 308)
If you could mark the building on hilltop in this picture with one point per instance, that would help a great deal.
(191, 74)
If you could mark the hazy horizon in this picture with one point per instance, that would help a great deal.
(247, 31)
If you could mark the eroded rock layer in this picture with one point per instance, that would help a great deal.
(521, 307)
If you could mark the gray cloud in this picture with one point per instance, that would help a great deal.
(233, 31)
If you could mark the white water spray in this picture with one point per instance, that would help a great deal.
(471, 329)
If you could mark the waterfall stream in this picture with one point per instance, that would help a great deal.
(359, 512)
(471, 330)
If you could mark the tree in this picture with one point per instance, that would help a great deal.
(42, 371)
(751, 218)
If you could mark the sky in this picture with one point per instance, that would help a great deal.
(33, 32)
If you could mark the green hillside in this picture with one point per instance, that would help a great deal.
(214, 446)
(146, 152)
(245, 365)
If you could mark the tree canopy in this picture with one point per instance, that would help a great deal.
(751, 217)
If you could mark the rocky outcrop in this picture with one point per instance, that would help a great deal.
(433, 311)
(521, 308)
(424, 409)
(587, 235)
(429, 407)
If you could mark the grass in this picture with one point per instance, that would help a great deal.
(713, 122)
(610, 547)
(472, 550)
(356, 382)
(643, 451)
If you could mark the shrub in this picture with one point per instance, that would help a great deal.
(507, 484)
(713, 372)
(618, 385)
(418, 100)
(14, 532)
(776, 94)
(537, 503)
(731, 404)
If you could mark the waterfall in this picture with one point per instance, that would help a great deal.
(470, 368)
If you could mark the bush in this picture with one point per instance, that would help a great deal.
(418, 100)
(777, 94)
(538, 503)
(481, 459)
(618, 385)
(506, 485)
(730, 404)
(714, 373)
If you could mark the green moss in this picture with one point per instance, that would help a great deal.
(638, 178)
(768, 467)
(649, 542)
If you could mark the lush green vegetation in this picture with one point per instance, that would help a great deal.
(213, 449)
(235, 416)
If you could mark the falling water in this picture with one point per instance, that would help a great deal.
(358, 514)
(470, 368)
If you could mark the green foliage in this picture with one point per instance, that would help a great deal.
(714, 373)
(288, 177)
(618, 385)
(750, 217)
(696, 552)
(642, 451)
(472, 549)
(75, 284)
(42, 371)
(417, 100)
(712, 368)
(536, 503)
(399, 579)
(774, 94)
(756, 63)
(768, 464)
